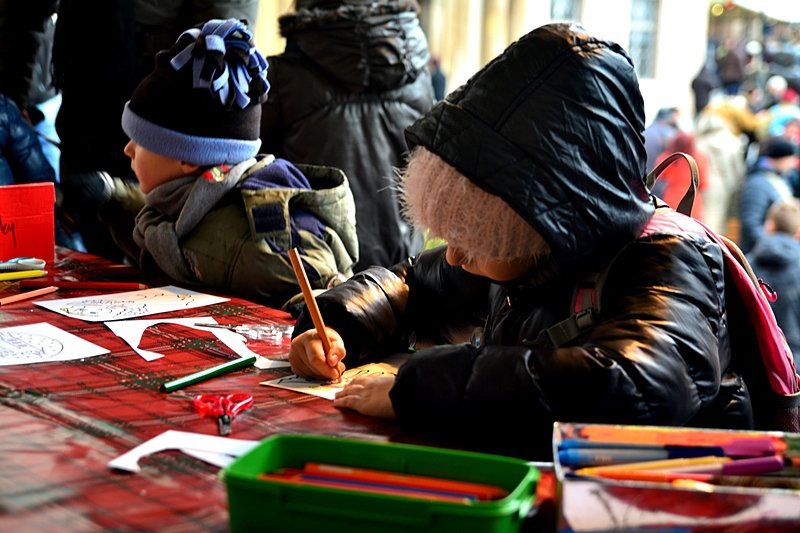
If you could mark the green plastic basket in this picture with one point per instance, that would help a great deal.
(272, 505)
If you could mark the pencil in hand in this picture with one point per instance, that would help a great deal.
(311, 302)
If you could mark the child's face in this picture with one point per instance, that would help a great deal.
(154, 169)
(490, 268)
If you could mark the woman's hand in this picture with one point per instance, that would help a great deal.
(369, 395)
(308, 359)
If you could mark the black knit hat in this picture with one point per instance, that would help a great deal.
(202, 102)
(776, 148)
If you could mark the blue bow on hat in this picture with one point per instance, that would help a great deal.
(241, 62)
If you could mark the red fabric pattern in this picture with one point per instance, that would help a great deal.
(61, 422)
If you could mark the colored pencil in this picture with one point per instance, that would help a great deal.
(478, 490)
(665, 465)
(298, 477)
(208, 373)
(308, 296)
(579, 458)
(77, 285)
(681, 467)
(686, 479)
(740, 467)
(734, 448)
(22, 274)
(766, 482)
(652, 476)
(27, 295)
(632, 435)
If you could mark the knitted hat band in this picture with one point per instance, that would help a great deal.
(202, 102)
(481, 225)
(190, 148)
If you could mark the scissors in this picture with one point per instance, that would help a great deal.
(22, 263)
(222, 407)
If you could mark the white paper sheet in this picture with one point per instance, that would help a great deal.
(131, 304)
(212, 449)
(43, 343)
(327, 389)
(131, 331)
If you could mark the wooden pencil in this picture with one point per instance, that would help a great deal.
(26, 295)
(308, 296)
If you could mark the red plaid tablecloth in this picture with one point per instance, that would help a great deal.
(62, 422)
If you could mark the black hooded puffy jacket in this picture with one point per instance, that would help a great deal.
(554, 127)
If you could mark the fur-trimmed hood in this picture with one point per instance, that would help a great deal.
(553, 126)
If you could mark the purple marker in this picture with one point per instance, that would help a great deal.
(739, 467)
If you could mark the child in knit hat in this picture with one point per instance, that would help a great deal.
(217, 214)
(534, 174)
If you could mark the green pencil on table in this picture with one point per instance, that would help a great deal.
(230, 366)
(208, 373)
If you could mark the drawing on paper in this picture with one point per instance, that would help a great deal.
(327, 389)
(130, 304)
(43, 343)
(30, 347)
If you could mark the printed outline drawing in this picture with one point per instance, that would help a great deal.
(28, 347)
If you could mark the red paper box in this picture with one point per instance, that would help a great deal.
(26, 221)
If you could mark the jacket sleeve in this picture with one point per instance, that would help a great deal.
(23, 151)
(380, 311)
(653, 358)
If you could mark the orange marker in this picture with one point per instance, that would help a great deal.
(678, 436)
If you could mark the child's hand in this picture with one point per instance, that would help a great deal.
(369, 395)
(307, 356)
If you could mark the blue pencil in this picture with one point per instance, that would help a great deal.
(737, 448)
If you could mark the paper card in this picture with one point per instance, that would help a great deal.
(26, 221)
(327, 389)
(43, 343)
(218, 451)
(131, 304)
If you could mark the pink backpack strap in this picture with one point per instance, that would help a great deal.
(775, 352)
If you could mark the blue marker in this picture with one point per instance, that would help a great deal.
(583, 457)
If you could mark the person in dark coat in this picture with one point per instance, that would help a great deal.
(769, 181)
(534, 174)
(660, 133)
(354, 74)
(702, 86)
(21, 156)
(26, 33)
(776, 260)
